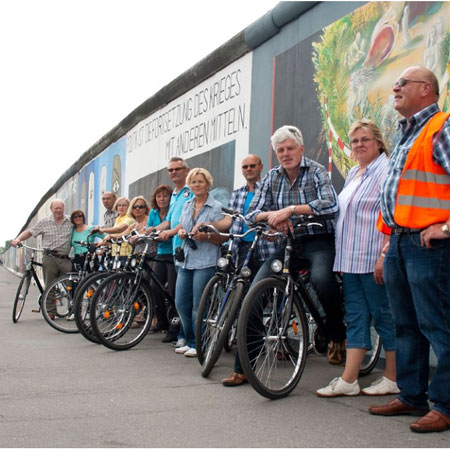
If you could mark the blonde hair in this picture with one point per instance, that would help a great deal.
(373, 128)
(135, 199)
(200, 171)
(119, 200)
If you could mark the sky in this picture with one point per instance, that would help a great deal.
(72, 70)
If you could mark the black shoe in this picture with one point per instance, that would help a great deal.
(169, 337)
(158, 328)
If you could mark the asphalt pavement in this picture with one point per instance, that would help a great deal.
(59, 390)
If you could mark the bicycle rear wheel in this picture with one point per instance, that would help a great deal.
(21, 295)
(82, 304)
(371, 357)
(57, 303)
(121, 311)
(272, 338)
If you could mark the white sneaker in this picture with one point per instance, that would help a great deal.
(338, 388)
(381, 386)
(180, 343)
(192, 353)
(183, 349)
(71, 317)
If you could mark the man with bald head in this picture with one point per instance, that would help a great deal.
(241, 198)
(56, 231)
(415, 205)
(110, 216)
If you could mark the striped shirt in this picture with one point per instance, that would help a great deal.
(311, 187)
(109, 217)
(441, 156)
(56, 237)
(237, 202)
(358, 242)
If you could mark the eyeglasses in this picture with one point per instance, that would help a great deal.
(78, 216)
(246, 166)
(364, 140)
(139, 206)
(175, 169)
(402, 81)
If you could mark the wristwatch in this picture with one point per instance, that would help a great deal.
(292, 209)
(445, 229)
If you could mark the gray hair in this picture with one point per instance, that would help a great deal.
(286, 132)
(177, 158)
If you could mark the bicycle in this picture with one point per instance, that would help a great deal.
(125, 298)
(279, 322)
(87, 287)
(57, 301)
(24, 285)
(221, 299)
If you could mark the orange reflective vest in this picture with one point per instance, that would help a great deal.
(423, 196)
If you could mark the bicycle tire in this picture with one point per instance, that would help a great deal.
(224, 324)
(57, 303)
(278, 334)
(82, 300)
(371, 357)
(21, 295)
(208, 309)
(115, 305)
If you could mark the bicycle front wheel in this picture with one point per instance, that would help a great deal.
(21, 295)
(57, 303)
(272, 338)
(121, 311)
(82, 304)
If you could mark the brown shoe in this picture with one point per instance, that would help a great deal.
(235, 379)
(336, 353)
(432, 421)
(396, 408)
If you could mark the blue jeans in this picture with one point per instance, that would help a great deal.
(189, 289)
(319, 251)
(418, 287)
(364, 299)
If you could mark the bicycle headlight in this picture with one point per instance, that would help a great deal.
(133, 263)
(276, 266)
(246, 272)
(222, 263)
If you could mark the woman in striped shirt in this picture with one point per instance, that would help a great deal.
(359, 256)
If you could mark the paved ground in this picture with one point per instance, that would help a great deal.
(59, 390)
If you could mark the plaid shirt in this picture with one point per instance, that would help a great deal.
(237, 202)
(312, 187)
(54, 237)
(441, 156)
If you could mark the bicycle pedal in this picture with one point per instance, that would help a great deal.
(36, 310)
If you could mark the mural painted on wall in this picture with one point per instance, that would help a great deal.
(104, 173)
(358, 58)
(346, 71)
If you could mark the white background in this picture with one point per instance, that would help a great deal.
(72, 70)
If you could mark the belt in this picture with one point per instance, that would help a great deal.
(402, 230)
(59, 255)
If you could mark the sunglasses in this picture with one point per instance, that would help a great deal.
(175, 169)
(403, 81)
(246, 166)
(139, 206)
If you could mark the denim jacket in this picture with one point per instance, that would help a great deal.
(206, 253)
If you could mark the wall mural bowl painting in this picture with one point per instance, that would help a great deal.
(359, 57)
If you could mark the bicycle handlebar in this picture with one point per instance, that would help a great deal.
(21, 244)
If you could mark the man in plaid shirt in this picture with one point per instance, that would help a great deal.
(56, 231)
(300, 186)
